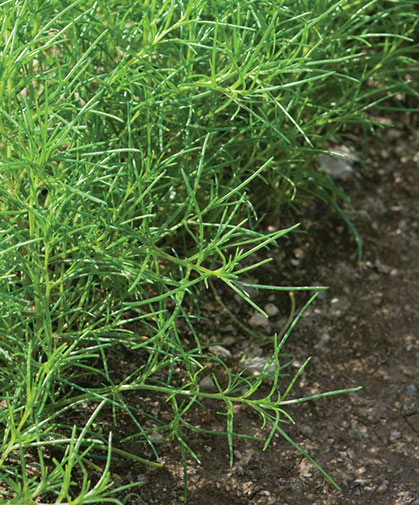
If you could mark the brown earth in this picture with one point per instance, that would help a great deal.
(362, 332)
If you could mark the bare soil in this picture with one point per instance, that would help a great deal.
(363, 331)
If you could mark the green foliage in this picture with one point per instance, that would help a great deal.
(137, 139)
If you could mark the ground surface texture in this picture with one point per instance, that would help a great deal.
(362, 332)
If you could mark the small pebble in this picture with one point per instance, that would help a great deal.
(237, 454)
(346, 477)
(155, 436)
(395, 435)
(258, 319)
(257, 365)
(35, 467)
(325, 339)
(411, 389)
(382, 268)
(207, 385)
(338, 168)
(298, 252)
(229, 341)
(221, 351)
(359, 482)
(271, 309)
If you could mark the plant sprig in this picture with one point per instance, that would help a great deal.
(139, 144)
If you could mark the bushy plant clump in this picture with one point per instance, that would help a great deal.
(138, 142)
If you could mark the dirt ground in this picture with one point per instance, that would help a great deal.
(362, 332)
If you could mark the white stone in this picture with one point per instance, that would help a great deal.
(271, 309)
